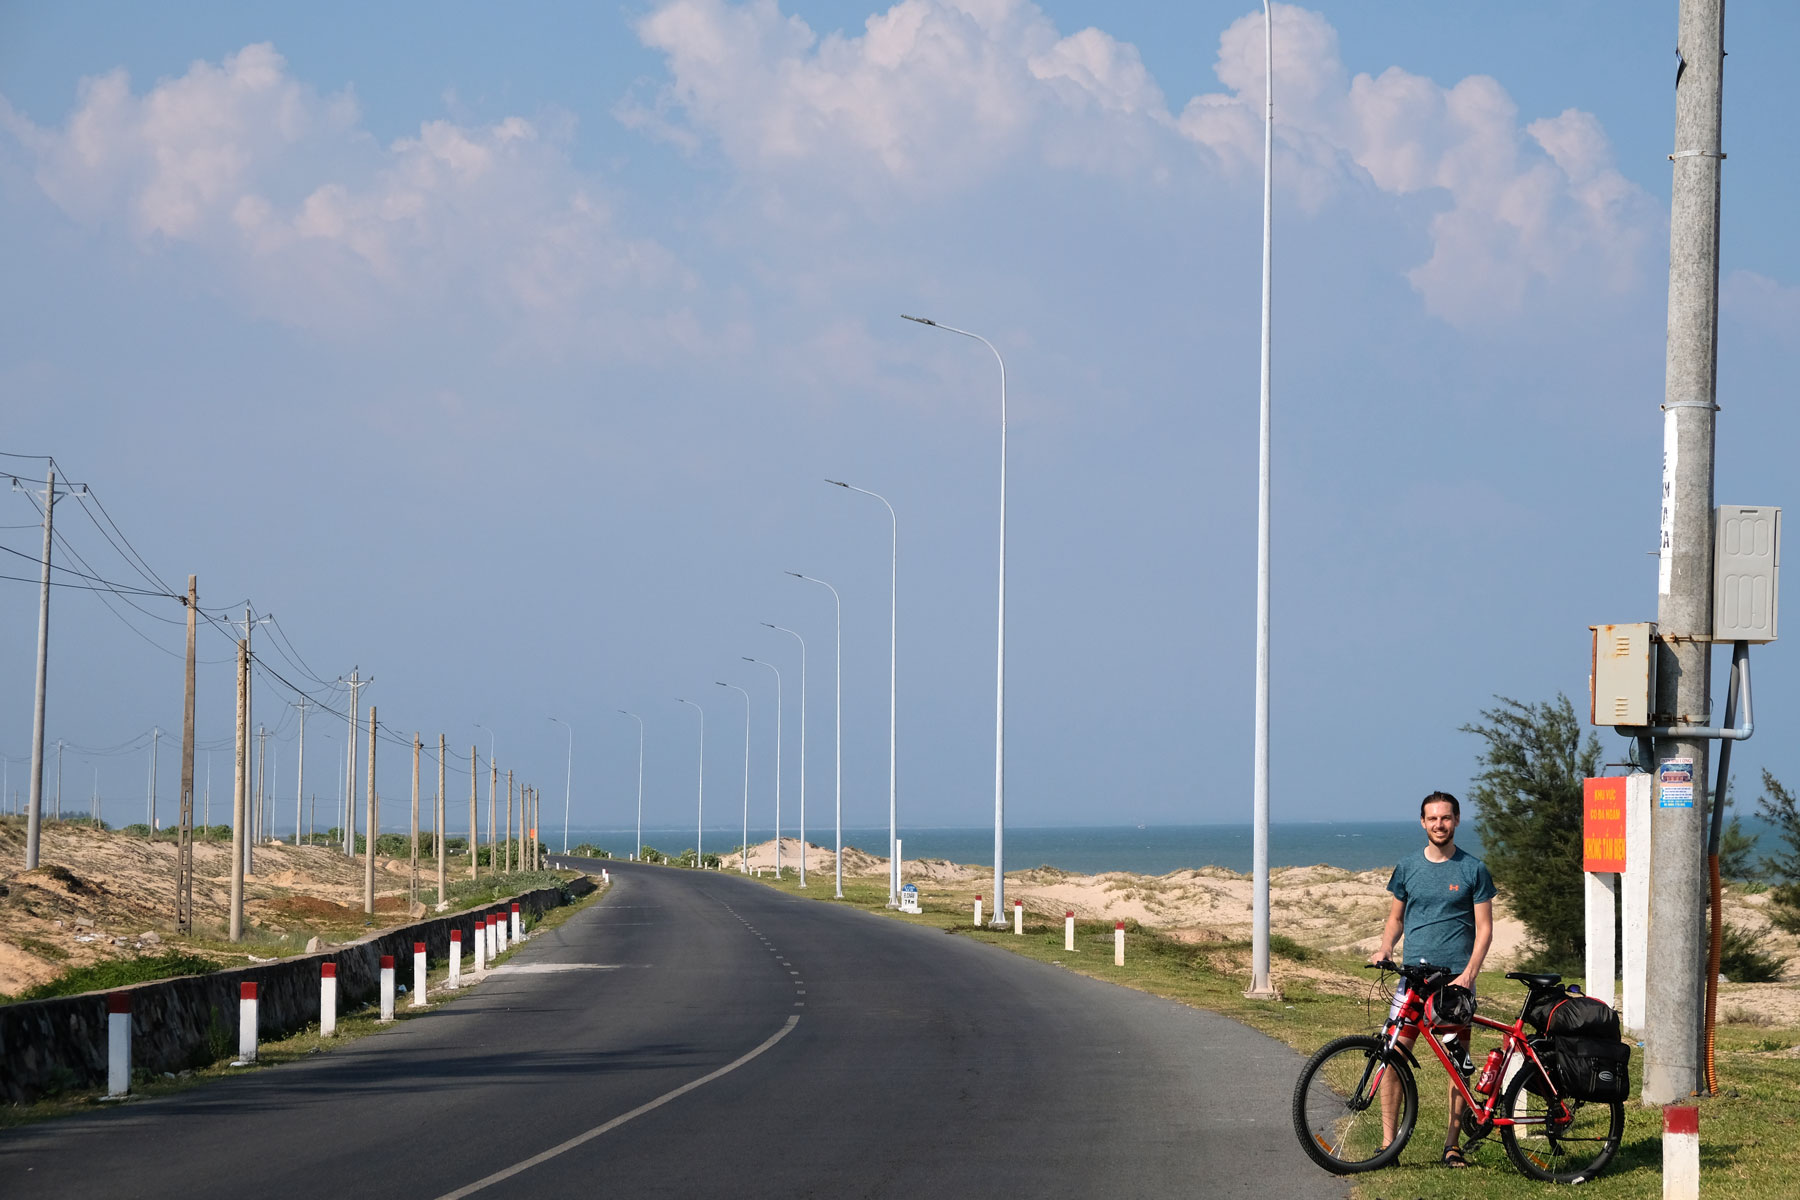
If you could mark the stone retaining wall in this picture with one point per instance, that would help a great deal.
(58, 1044)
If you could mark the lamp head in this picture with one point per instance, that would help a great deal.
(796, 574)
(746, 658)
(920, 320)
(767, 625)
(837, 483)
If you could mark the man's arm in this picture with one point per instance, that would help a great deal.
(1390, 933)
(1484, 937)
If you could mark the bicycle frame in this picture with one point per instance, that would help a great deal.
(1410, 1020)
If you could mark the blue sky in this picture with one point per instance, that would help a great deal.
(503, 355)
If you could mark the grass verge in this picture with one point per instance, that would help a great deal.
(1749, 1134)
(353, 1023)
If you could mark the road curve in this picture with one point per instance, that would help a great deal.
(699, 1034)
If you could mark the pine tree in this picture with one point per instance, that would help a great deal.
(1778, 807)
(1528, 804)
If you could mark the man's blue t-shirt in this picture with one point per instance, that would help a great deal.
(1438, 925)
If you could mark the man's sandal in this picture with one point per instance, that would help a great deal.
(1453, 1157)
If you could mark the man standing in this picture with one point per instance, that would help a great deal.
(1444, 903)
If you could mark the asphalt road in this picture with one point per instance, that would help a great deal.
(811, 1050)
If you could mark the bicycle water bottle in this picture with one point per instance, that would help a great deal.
(1490, 1072)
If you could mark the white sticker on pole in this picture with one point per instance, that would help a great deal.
(1665, 566)
(1675, 783)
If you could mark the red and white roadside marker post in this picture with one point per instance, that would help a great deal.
(1069, 930)
(454, 980)
(1018, 918)
(418, 996)
(480, 932)
(978, 912)
(518, 929)
(1118, 943)
(1681, 1152)
(246, 1024)
(605, 875)
(118, 1044)
(387, 987)
(328, 999)
(499, 920)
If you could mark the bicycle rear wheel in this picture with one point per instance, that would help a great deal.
(1568, 1149)
(1337, 1105)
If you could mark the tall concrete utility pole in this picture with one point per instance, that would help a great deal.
(238, 797)
(1684, 617)
(509, 820)
(59, 753)
(350, 773)
(184, 845)
(413, 884)
(249, 717)
(155, 744)
(373, 827)
(474, 817)
(260, 824)
(437, 824)
(493, 791)
(35, 803)
(300, 771)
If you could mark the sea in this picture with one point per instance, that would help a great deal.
(1087, 850)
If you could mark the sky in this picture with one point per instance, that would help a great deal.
(503, 354)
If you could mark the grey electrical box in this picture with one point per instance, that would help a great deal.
(1746, 572)
(1624, 674)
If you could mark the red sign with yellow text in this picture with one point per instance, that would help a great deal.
(1603, 824)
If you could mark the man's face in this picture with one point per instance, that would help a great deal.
(1440, 822)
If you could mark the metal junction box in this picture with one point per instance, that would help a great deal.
(1624, 674)
(1746, 571)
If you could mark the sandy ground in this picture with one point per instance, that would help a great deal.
(98, 895)
(1323, 907)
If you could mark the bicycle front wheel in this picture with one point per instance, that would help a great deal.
(1572, 1144)
(1337, 1105)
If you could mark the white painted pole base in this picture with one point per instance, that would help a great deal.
(518, 926)
(327, 999)
(1602, 893)
(247, 1022)
(118, 1043)
(1068, 931)
(499, 933)
(1019, 918)
(490, 939)
(1634, 900)
(454, 978)
(978, 912)
(387, 987)
(1118, 943)
(480, 932)
(605, 875)
(1681, 1152)
(419, 971)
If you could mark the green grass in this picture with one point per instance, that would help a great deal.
(1749, 1134)
(117, 973)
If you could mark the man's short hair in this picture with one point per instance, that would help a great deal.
(1441, 798)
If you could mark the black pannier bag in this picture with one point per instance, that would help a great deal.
(1596, 1069)
(1566, 1014)
(1545, 1049)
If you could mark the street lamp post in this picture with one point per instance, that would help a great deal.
(802, 641)
(700, 795)
(493, 785)
(638, 854)
(893, 644)
(744, 858)
(759, 662)
(999, 921)
(568, 778)
(837, 755)
(1260, 986)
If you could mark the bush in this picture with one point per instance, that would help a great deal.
(1746, 957)
(120, 972)
(1527, 798)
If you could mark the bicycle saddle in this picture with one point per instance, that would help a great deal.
(1535, 981)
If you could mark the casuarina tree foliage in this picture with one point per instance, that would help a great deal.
(1778, 807)
(1528, 809)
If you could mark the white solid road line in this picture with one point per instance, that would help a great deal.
(640, 1110)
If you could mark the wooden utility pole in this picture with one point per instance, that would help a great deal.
(239, 842)
(474, 829)
(437, 826)
(184, 837)
(413, 885)
(369, 856)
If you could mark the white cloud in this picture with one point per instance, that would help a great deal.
(320, 224)
(1763, 304)
(940, 95)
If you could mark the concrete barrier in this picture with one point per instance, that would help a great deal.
(61, 1043)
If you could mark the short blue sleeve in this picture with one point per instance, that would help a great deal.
(1484, 884)
(1397, 883)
